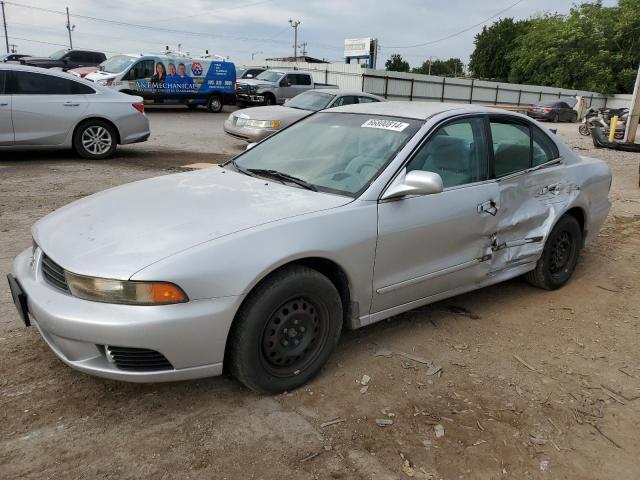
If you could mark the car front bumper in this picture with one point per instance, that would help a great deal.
(191, 336)
(249, 98)
(248, 134)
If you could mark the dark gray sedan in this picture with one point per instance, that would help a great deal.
(257, 123)
(554, 111)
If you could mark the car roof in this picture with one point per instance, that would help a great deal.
(417, 110)
(57, 73)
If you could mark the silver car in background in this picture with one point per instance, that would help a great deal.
(51, 109)
(350, 216)
(257, 123)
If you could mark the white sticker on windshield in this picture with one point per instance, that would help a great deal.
(385, 124)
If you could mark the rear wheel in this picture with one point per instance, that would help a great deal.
(559, 257)
(285, 331)
(214, 104)
(555, 118)
(95, 140)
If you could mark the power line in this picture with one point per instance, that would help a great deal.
(431, 42)
(52, 43)
(237, 7)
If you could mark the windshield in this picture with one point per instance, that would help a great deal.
(335, 152)
(240, 72)
(270, 76)
(314, 101)
(58, 55)
(117, 63)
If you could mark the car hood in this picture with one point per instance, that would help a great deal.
(255, 81)
(117, 232)
(99, 75)
(275, 112)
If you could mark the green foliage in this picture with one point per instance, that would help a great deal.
(592, 48)
(396, 64)
(490, 59)
(444, 68)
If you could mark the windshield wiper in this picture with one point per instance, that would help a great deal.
(240, 169)
(282, 176)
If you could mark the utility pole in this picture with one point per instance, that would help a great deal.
(303, 45)
(294, 24)
(634, 113)
(4, 21)
(430, 65)
(70, 28)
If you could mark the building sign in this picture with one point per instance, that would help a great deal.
(357, 47)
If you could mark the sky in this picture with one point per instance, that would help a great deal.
(240, 28)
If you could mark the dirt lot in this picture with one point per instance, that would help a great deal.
(533, 384)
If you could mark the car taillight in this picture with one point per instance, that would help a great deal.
(139, 106)
(546, 110)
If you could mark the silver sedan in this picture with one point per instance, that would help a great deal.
(348, 217)
(257, 123)
(47, 109)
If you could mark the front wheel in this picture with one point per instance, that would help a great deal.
(269, 100)
(95, 140)
(214, 104)
(285, 331)
(584, 130)
(559, 257)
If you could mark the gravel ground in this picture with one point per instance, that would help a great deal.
(534, 384)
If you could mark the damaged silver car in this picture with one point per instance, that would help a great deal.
(347, 217)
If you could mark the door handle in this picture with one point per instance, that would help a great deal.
(489, 207)
(69, 104)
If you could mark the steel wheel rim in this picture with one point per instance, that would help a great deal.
(96, 140)
(561, 253)
(215, 103)
(294, 336)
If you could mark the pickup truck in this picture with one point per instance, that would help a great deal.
(273, 87)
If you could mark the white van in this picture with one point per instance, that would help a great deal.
(170, 79)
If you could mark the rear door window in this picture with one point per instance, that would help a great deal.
(30, 83)
(345, 100)
(511, 147)
(366, 100)
(302, 79)
(544, 150)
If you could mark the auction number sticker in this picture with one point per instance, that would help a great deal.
(385, 124)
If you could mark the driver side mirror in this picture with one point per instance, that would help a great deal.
(285, 83)
(248, 75)
(416, 182)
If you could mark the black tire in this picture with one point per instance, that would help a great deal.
(95, 139)
(574, 118)
(285, 331)
(559, 257)
(618, 135)
(555, 118)
(215, 104)
(269, 99)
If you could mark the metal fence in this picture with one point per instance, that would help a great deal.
(417, 87)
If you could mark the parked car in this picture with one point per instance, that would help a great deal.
(82, 71)
(553, 110)
(66, 59)
(273, 87)
(170, 79)
(255, 124)
(349, 216)
(12, 57)
(248, 72)
(53, 109)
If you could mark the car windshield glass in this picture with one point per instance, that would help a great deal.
(314, 101)
(269, 76)
(117, 64)
(335, 152)
(58, 55)
(240, 72)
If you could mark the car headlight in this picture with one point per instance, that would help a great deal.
(263, 123)
(253, 89)
(124, 291)
(105, 83)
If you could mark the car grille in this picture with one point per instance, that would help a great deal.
(54, 274)
(242, 88)
(137, 359)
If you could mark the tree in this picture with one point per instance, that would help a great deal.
(493, 46)
(397, 64)
(444, 68)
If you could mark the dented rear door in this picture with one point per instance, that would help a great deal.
(534, 190)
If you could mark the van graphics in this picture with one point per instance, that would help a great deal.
(183, 78)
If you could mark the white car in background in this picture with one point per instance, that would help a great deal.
(51, 109)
